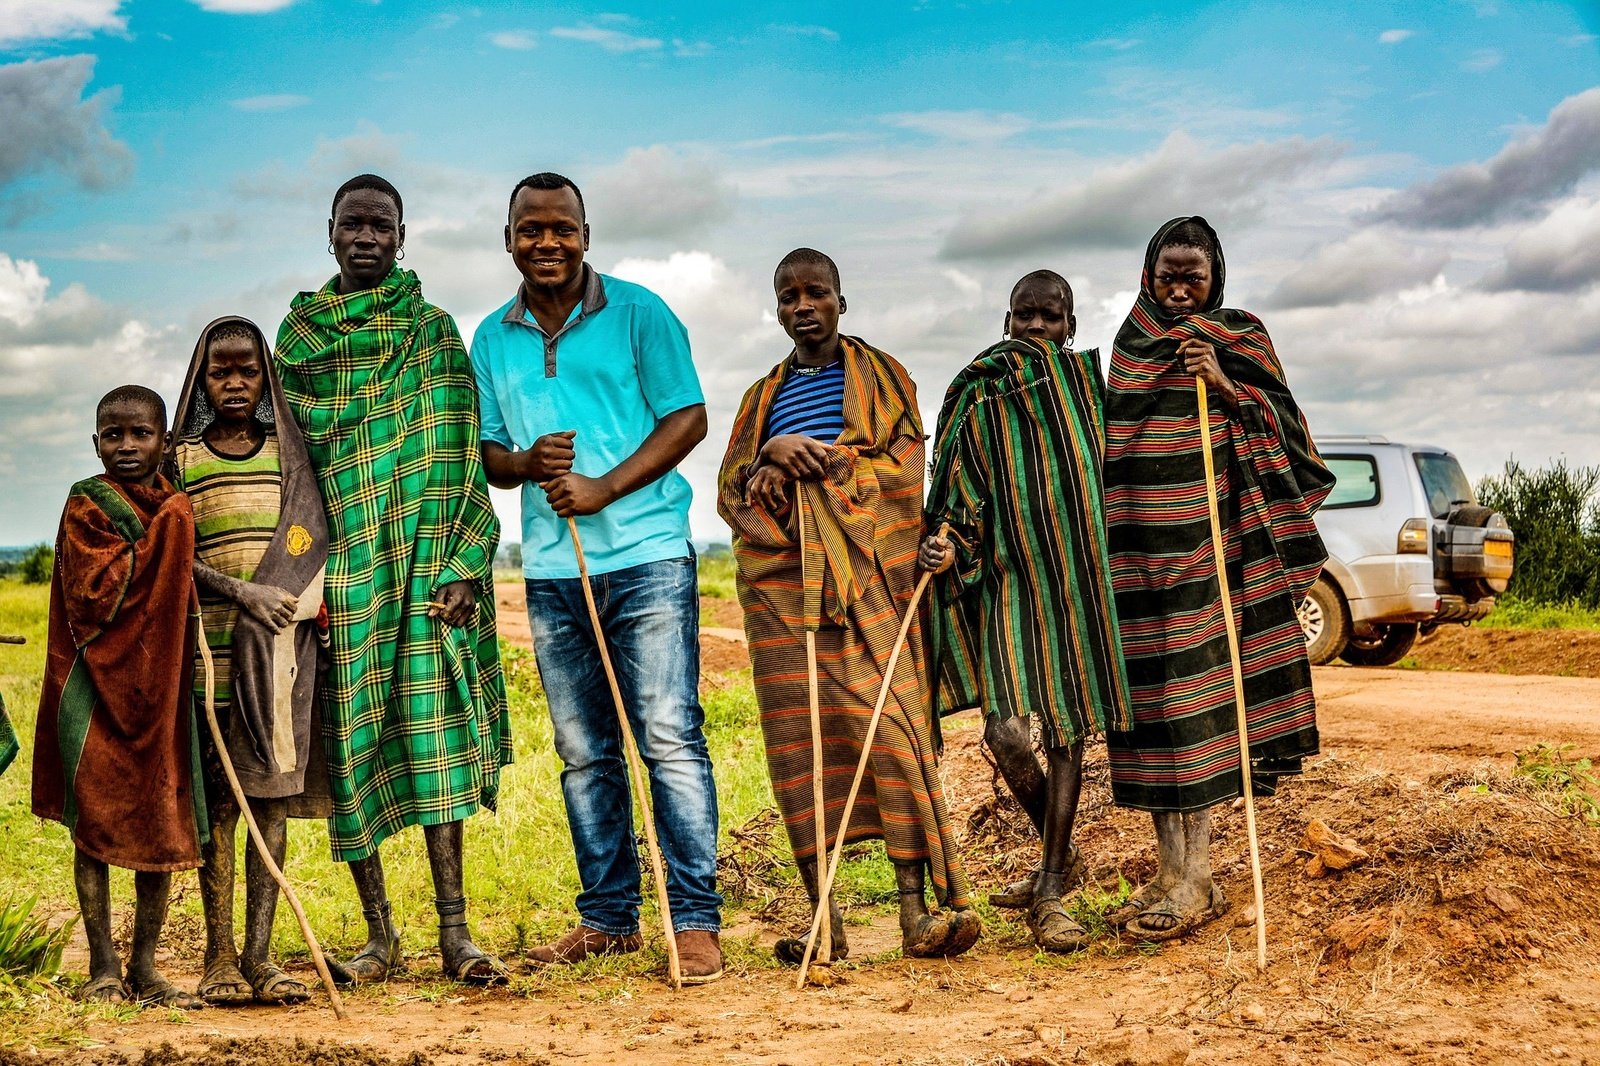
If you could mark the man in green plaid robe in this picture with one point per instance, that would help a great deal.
(413, 707)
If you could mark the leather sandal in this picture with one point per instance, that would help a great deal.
(1054, 929)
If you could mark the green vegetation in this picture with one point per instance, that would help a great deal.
(716, 574)
(1570, 783)
(520, 869)
(1555, 513)
(1513, 612)
(36, 565)
(29, 946)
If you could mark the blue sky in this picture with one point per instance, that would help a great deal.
(1412, 202)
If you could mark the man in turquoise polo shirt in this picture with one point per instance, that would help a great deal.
(589, 402)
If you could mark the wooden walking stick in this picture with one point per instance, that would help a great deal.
(861, 766)
(1218, 550)
(819, 806)
(635, 767)
(8, 638)
(250, 820)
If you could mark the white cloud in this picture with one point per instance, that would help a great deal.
(797, 30)
(516, 40)
(1482, 60)
(242, 7)
(1395, 36)
(1521, 178)
(1559, 253)
(51, 127)
(610, 40)
(271, 102)
(1121, 204)
(1117, 44)
(972, 125)
(30, 20)
(1365, 265)
(658, 193)
(690, 49)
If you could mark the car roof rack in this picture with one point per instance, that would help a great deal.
(1353, 438)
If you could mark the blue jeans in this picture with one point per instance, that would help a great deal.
(651, 617)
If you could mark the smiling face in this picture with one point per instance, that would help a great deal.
(547, 237)
(367, 235)
(233, 378)
(1041, 310)
(129, 441)
(1182, 279)
(809, 308)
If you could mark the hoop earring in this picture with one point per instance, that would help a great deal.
(1070, 339)
(330, 248)
(401, 254)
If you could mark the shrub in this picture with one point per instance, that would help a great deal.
(1555, 513)
(36, 566)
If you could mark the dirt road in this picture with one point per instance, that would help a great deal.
(1464, 939)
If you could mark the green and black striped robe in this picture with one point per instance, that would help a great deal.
(1183, 752)
(1024, 622)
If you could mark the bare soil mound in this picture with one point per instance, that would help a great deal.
(1557, 652)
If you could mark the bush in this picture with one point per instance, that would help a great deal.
(1555, 513)
(29, 947)
(36, 566)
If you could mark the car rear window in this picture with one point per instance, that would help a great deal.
(1355, 481)
(1443, 481)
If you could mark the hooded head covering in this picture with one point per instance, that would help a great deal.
(1163, 239)
(270, 736)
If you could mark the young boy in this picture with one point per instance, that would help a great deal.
(822, 487)
(1024, 622)
(260, 549)
(114, 757)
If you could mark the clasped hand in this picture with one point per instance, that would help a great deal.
(457, 604)
(1200, 358)
(936, 555)
(785, 458)
(270, 605)
(549, 463)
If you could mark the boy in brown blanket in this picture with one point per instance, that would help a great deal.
(114, 756)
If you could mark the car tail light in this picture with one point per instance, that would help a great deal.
(1413, 537)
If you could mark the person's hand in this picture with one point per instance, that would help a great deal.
(797, 455)
(936, 555)
(572, 494)
(1200, 359)
(550, 456)
(273, 607)
(458, 604)
(768, 489)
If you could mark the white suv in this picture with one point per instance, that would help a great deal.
(1409, 548)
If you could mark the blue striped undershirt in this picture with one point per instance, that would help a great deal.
(810, 402)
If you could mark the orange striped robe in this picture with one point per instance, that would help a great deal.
(859, 567)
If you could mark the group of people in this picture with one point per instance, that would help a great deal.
(306, 550)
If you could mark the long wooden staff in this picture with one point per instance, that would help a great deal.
(819, 806)
(861, 767)
(250, 820)
(1218, 551)
(641, 783)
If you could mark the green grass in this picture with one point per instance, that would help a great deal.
(1512, 613)
(521, 877)
(716, 576)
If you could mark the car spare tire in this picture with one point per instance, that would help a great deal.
(1387, 646)
(1325, 621)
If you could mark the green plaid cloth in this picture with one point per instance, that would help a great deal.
(414, 711)
(8, 740)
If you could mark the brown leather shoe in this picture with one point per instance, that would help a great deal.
(582, 942)
(699, 956)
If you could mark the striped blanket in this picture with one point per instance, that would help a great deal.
(850, 582)
(1182, 753)
(414, 711)
(1024, 621)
